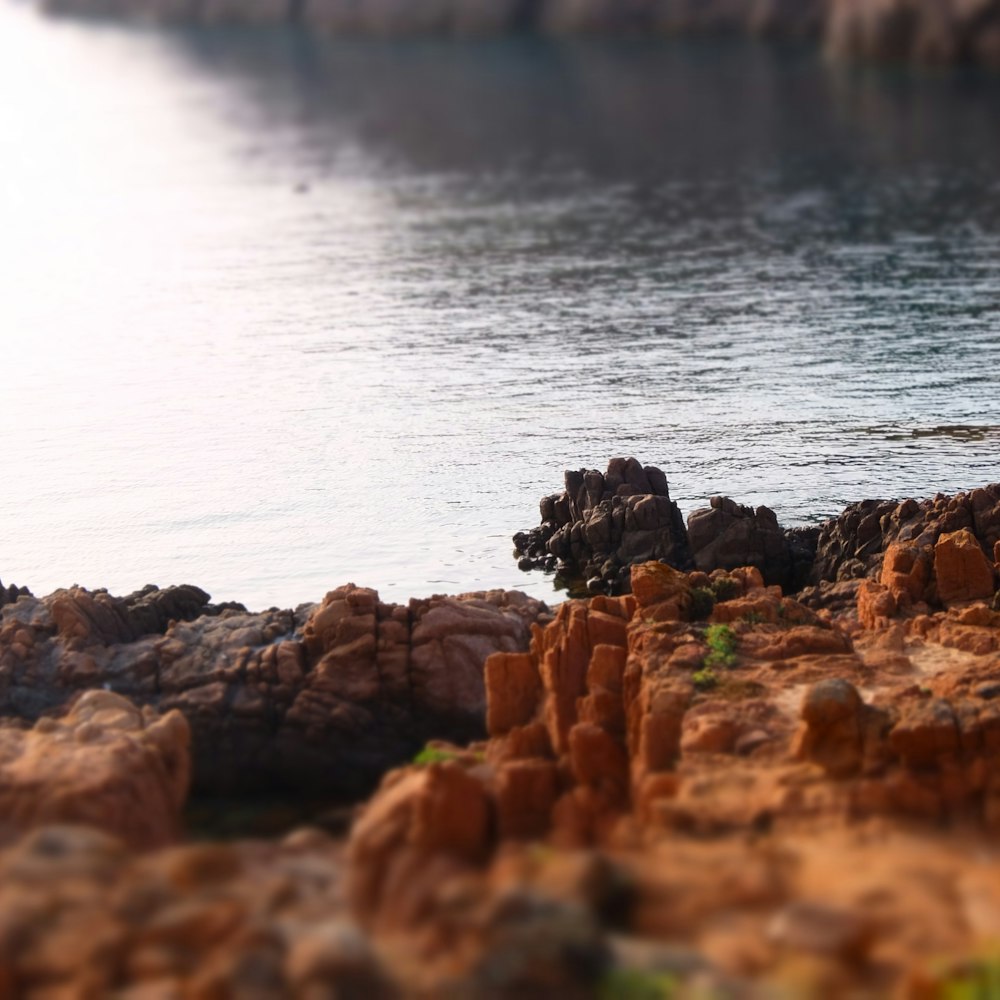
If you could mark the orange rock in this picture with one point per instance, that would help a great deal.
(106, 764)
(832, 735)
(605, 709)
(521, 743)
(653, 788)
(605, 629)
(749, 577)
(802, 640)
(565, 654)
(709, 732)
(599, 761)
(421, 827)
(451, 813)
(660, 726)
(761, 606)
(526, 791)
(513, 690)
(876, 604)
(657, 583)
(906, 571)
(961, 568)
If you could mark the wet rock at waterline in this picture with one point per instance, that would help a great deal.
(603, 523)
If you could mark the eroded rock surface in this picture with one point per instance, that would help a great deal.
(600, 525)
(854, 544)
(703, 783)
(727, 535)
(323, 698)
(751, 771)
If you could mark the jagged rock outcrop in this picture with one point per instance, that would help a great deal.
(324, 698)
(601, 524)
(10, 593)
(633, 725)
(105, 764)
(703, 783)
(854, 544)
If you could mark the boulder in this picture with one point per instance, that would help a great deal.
(106, 764)
(961, 569)
(727, 535)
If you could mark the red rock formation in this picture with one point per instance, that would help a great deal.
(704, 780)
(961, 569)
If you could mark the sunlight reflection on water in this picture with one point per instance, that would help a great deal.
(279, 315)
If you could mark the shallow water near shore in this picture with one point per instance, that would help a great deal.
(279, 314)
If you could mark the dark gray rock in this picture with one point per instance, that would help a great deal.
(603, 523)
(726, 535)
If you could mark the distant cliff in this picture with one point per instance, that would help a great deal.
(923, 31)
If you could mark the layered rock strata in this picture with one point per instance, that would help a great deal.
(323, 698)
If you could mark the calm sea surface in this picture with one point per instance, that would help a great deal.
(276, 315)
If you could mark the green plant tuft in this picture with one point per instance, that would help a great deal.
(433, 755)
(980, 982)
(721, 646)
(634, 984)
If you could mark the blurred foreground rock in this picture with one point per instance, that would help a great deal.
(106, 764)
(703, 787)
(738, 778)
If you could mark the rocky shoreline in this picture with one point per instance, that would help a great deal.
(601, 524)
(923, 31)
(709, 785)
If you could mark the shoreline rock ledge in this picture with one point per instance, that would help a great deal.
(320, 700)
(602, 524)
